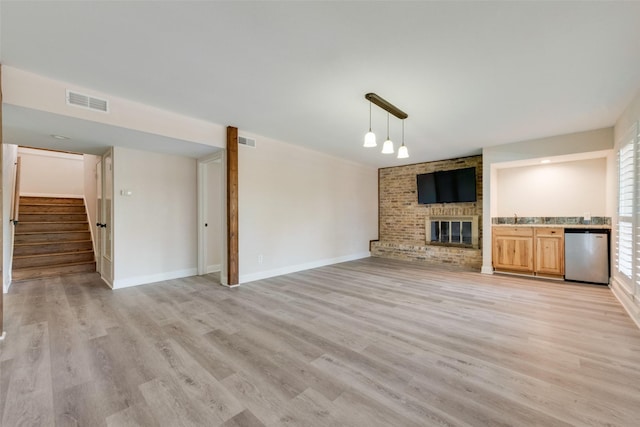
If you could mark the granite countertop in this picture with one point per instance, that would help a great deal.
(595, 226)
(602, 222)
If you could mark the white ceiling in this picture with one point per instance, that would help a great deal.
(469, 74)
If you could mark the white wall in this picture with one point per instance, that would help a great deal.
(214, 216)
(155, 227)
(48, 173)
(555, 146)
(9, 157)
(301, 209)
(554, 189)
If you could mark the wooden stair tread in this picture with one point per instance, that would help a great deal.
(51, 232)
(52, 222)
(46, 205)
(52, 200)
(67, 264)
(51, 242)
(53, 213)
(52, 254)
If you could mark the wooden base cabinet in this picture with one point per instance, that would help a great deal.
(549, 243)
(529, 250)
(512, 249)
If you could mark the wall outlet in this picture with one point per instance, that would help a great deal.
(586, 216)
(260, 259)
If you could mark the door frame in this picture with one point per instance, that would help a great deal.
(94, 226)
(202, 187)
(105, 267)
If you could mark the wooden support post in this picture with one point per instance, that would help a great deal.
(232, 206)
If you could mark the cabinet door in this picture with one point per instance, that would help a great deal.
(513, 253)
(550, 252)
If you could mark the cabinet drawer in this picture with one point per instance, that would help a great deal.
(550, 231)
(513, 231)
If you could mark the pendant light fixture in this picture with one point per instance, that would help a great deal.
(403, 153)
(387, 147)
(370, 137)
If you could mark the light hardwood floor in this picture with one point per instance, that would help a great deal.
(365, 343)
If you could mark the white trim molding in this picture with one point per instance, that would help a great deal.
(487, 269)
(628, 301)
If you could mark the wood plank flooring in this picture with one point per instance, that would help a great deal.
(366, 343)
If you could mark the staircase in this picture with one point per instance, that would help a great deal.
(52, 238)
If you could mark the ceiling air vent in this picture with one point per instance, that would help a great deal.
(249, 142)
(86, 101)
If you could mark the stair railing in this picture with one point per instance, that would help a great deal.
(15, 211)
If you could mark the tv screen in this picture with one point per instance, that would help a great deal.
(452, 186)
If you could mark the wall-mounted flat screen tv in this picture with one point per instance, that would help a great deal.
(452, 186)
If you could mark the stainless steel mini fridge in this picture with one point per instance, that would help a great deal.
(586, 255)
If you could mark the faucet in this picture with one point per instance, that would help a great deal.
(515, 218)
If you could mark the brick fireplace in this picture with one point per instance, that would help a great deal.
(406, 228)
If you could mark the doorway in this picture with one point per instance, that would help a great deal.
(212, 216)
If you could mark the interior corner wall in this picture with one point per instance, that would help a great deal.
(49, 173)
(9, 158)
(155, 227)
(580, 142)
(300, 209)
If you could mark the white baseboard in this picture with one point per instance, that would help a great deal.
(66, 196)
(486, 269)
(153, 278)
(245, 278)
(214, 268)
(628, 301)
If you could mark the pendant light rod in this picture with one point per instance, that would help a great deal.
(386, 105)
(388, 126)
